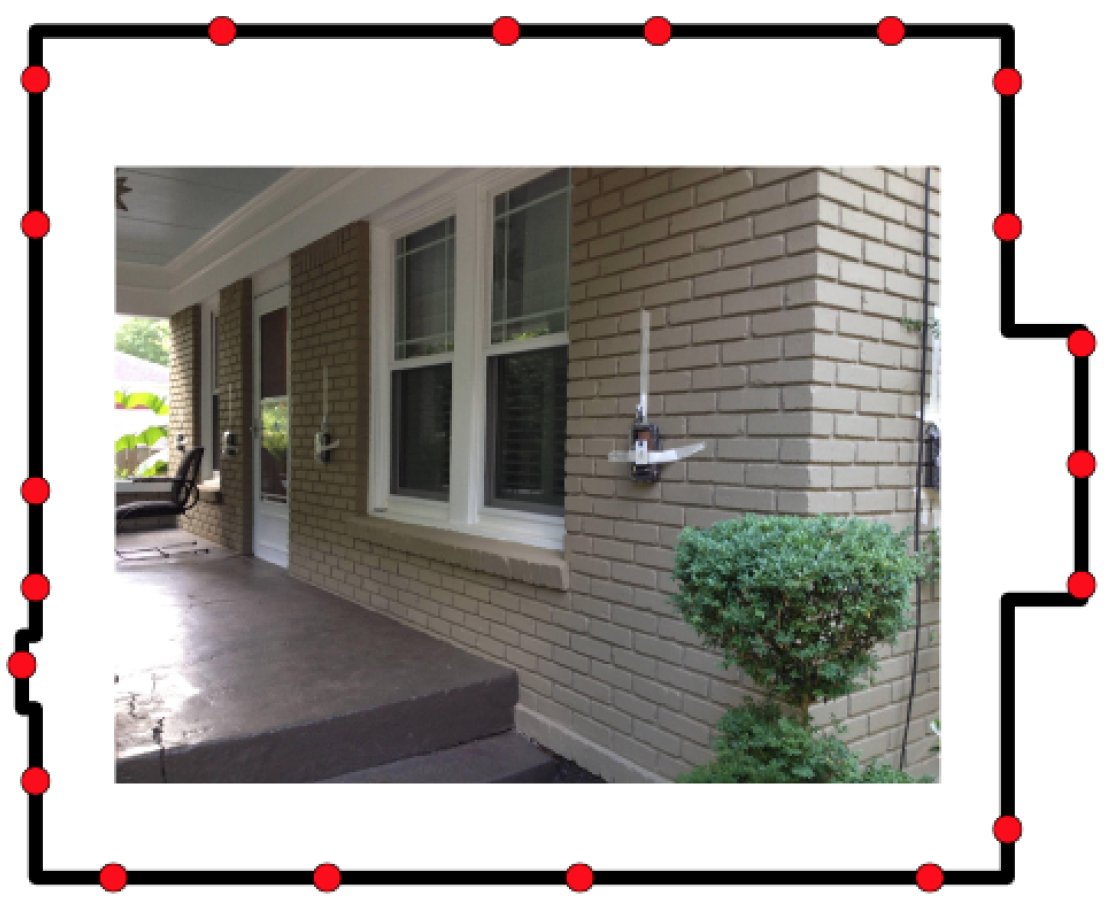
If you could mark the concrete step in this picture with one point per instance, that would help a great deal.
(237, 673)
(506, 758)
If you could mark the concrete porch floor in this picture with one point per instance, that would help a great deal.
(228, 670)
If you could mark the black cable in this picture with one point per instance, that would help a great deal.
(919, 462)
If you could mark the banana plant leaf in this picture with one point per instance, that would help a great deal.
(158, 464)
(159, 405)
(146, 438)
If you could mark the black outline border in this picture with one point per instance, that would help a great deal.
(1010, 329)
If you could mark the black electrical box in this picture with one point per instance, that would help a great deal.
(932, 457)
(645, 439)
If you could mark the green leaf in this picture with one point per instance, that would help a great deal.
(151, 401)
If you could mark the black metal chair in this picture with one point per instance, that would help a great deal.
(185, 495)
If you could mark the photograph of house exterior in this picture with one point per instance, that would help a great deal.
(407, 384)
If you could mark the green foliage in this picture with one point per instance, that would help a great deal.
(157, 404)
(756, 744)
(914, 326)
(798, 603)
(145, 438)
(932, 551)
(145, 338)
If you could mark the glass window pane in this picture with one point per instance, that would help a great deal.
(274, 353)
(531, 254)
(421, 435)
(216, 434)
(528, 415)
(424, 290)
(274, 443)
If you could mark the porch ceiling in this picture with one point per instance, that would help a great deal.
(171, 208)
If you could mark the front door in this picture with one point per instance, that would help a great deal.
(270, 426)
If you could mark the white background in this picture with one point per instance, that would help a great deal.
(1007, 409)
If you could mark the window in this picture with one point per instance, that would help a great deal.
(527, 390)
(216, 425)
(421, 380)
(469, 395)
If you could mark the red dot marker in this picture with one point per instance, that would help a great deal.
(35, 781)
(891, 31)
(506, 31)
(1007, 828)
(1007, 82)
(580, 877)
(222, 30)
(35, 587)
(657, 31)
(327, 877)
(1081, 464)
(35, 79)
(1007, 227)
(35, 491)
(1081, 343)
(35, 224)
(113, 877)
(929, 877)
(1081, 585)
(22, 665)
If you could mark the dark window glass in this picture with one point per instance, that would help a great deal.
(421, 421)
(532, 228)
(216, 433)
(527, 427)
(274, 354)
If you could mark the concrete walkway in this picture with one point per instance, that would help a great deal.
(231, 671)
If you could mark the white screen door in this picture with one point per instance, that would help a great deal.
(270, 426)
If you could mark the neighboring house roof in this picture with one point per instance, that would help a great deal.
(129, 369)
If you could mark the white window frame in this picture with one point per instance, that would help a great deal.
(469, 198)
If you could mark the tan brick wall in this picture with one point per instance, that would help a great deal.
(328, 325)
(775, 297)
(184, 375)
(228, 521)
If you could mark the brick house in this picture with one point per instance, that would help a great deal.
(474, 339)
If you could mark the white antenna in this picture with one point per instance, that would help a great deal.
(645, 354)
(642, 454)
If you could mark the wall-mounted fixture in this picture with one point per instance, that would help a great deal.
(932, 457)
(322, 443)
(181, 441)
(229, 439)
(645, 455)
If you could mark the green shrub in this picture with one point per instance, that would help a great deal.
(756, 744)
(797, 603)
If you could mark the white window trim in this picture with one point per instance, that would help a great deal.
(471, 203)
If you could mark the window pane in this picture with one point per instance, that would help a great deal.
(531, 253)
(216, 433)
(274, 442)
(274, 353)
(424, 268)
(421, 423)
(528, 409)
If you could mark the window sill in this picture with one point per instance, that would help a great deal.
(122, 486)
(508, 559)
